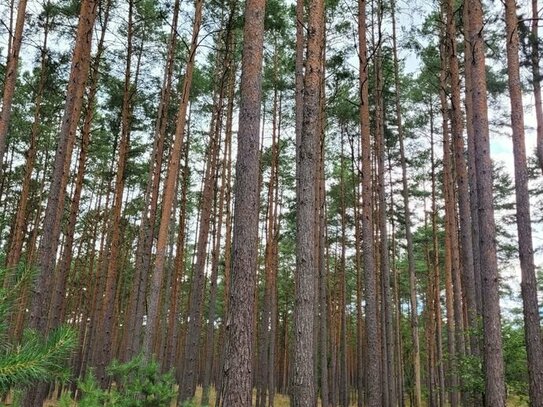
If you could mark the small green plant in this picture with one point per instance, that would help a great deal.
(137, 383)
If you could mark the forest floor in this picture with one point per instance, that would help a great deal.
(282, 400)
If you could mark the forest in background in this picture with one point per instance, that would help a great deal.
(270, 201)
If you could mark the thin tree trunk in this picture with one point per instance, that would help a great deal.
(373, 367)
(407, 222)
(466, 249)
(228, 224)
(21, 217)
(10, 78)
(536, 79)
(343, 376)
(322, 267)
(133, 328)
(107, 327)
(216, 248)
(438, 338)
(170, 188)
(190, 368)
(389, 353)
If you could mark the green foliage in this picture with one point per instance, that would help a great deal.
(34, 358)
(516, 362)
(471, 374)
(137, 384)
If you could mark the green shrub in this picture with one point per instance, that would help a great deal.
(138, 383)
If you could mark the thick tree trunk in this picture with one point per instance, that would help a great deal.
(237, 369)
(303, 391)
(532, 326)
(472, 175)
(59, 294)
(493, 356)
(55, 203)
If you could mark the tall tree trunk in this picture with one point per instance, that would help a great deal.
(384, 262)
(438, 336)
(493, 356)
(343, 375)
(136, 310)
(449, 236)
(408, 233)
(466, 249)
(107, 325)
(21, 217)
(303, 391)
(322, 265)
(532, 327)
(472, 176)
(170, 185)
(536, 79)
(59, 295)
(237, 369)
(55, 203)
(190, 367)
(218, 229)
(373, 364)
(10, 78)
(228, 225)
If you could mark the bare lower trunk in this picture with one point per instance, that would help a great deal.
(373, 364)
(237, 369)
(532, 327)
(493, 356)
(304, 392)
(170, 186)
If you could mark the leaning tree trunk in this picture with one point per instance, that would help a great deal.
(170, 188)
